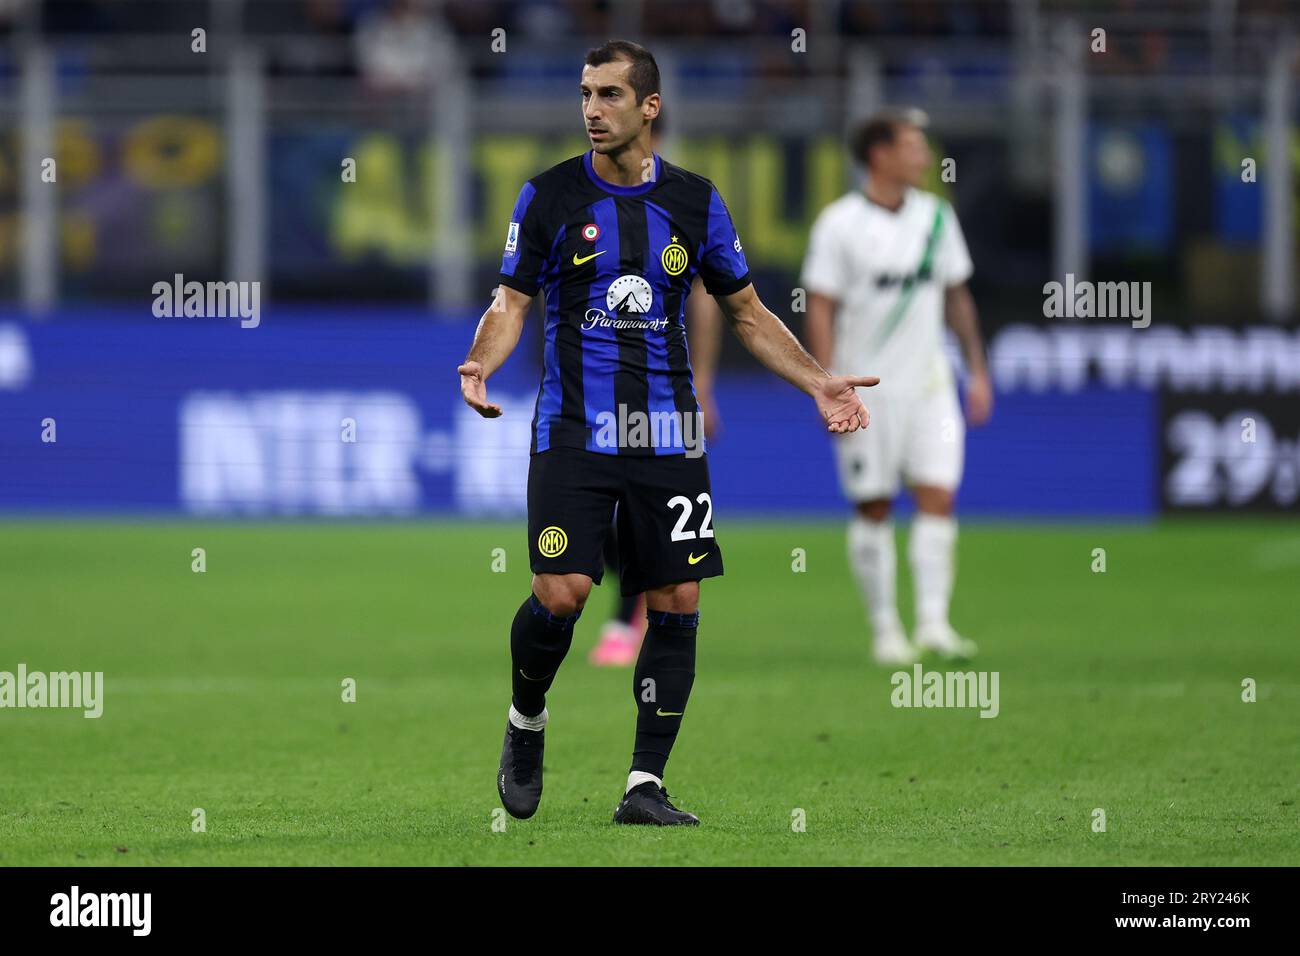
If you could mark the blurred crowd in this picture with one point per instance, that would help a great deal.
(395, 45)
(554, 18)
(535, 18)
(542, 18)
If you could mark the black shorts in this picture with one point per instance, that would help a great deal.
(664, 508)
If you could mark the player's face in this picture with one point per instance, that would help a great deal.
(911, 155)
(609, 108)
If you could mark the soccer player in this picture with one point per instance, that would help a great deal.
(885, 267)
(614, 238)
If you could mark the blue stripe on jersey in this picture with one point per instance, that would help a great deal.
(548, 401)
(659, 379)
(600, 345)
(721, 242)
(510, 260)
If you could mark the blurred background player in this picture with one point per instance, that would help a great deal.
(620, 636)
(886, 267)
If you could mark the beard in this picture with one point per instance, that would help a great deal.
(612, 143)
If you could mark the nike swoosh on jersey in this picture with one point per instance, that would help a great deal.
(577, 261)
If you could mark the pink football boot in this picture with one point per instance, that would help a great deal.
(620, 643)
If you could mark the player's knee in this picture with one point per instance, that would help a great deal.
(680, 598)
(876, 510)
(562, 594)
(933, 500)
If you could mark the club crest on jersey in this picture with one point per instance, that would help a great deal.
(674, 258)
(591, 232)
(629, 294)
(552, 542)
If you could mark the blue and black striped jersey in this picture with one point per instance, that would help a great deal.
(615, 264)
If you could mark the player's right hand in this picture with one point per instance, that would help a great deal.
(474, 390)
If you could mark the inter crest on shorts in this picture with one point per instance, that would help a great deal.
(552, 542)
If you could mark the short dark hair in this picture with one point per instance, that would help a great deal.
(644, 73)
(881, 129)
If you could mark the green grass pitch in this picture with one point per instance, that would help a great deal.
(1119, 690)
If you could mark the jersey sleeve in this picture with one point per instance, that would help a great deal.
(954, 258)
(825, 265)
(722, 261)
(527, 245)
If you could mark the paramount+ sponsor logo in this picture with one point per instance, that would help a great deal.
(629, 298)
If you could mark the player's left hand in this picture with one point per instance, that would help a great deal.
(839, 403)
(979, 399)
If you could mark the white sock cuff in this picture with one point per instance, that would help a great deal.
(528, 723)
(638, 777)
(863, 530)
(940, 527)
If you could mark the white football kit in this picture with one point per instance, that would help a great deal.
(888, 271)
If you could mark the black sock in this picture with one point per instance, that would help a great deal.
(538, 642)
(668, 660)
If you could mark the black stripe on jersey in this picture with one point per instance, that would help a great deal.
(631, 387)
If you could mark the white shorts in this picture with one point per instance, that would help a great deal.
(912, 439)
